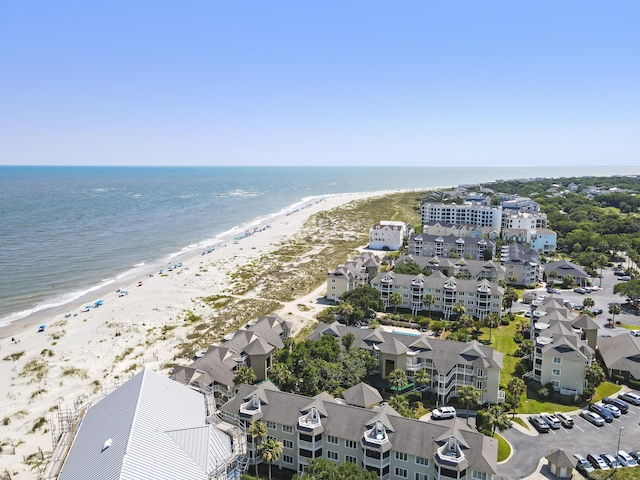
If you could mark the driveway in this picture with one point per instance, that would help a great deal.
(583, 438)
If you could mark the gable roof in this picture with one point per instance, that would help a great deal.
(362, 395)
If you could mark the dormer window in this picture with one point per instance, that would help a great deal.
(251, 407)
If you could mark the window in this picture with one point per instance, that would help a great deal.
(350, 459)
(351, 444)
(332, 440)
(422, 461)
(555, 383)
(271, 425)
(401, 456)
(479, 385)
(555, 371)
(331, 455)
(333, 280)
(287, 459)
(421, 476)
(480, 372)
(475, 475)
(287, 429)
(271, 437)
(287, 443)
(401, 472)
(557, 360)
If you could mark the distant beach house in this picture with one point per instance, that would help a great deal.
(252, 346)
(353, 274)
(451, 246)
(470, 363)
(153, 427)
(387, 235)
(480, 297)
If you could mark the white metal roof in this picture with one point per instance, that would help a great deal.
(157, 429)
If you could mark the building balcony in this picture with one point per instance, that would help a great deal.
(310, 445)
(413, 367)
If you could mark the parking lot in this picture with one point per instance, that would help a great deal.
(583, 438)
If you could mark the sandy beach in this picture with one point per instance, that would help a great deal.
(86, 355)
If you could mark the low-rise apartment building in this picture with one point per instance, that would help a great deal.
(353, 274)
(449, 364)
(252, 346)
(564, 346)
(387, 235)
(457, 267)
(480, 297)
(447, 246)
(453, 229)
(378, 439)
(521, 262)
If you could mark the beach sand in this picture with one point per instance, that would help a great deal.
(85, 356)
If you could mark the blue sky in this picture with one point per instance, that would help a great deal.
(320, 83)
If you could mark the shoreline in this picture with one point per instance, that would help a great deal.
(86, 355)
(124, 279)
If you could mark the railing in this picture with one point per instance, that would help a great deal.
(415, 366)
(310, 445)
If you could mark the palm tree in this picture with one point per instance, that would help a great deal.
(594, 375)
(468, 395)
(270, 451)
(397, 379)
(258, 431)
(492, 321)
(466, 321)
(588, 303)
(513, 278)
(459, 309)
(497, 419)
(429, 299)
(516, 388)
(395, 299)
(553, 275)
(345, 310)
(279, 374)
(614, 310)
(421, 378)
(400, 404)
(245, 375)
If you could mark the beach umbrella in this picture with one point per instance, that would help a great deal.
(87, 306)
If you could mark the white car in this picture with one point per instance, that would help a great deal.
(625, 459)
(443, 412)
(635, 333)
(551, 420)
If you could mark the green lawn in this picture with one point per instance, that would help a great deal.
(521, 422)
(504, 449)
(605, 389)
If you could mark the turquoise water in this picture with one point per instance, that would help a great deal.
(65, 231)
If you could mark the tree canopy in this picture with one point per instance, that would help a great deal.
(364, 298)
(321, 469)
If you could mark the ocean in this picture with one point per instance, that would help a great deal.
(67, 231)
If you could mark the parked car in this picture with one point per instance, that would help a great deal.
(606, 415)
(625, 459)
(584, 467)
(630, 397)
(615, 411)
(551, 420)
(611, 460)
(635, 333)
(539, 424)
(443, 412)
(592, 418)
(597, 461)
(635, 455)
(597, 311)
(622, 405)
(580, 290)
(624, 278)
(565, 420)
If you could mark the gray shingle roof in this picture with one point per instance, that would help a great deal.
(621, 352)
(362, 395)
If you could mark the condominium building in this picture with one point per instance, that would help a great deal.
(378, 439)
(471, 213)
(524, 204)
(544, 240)
(521, 263)
(457, 267)
(480, 297)
(353, 274)
(564, 346)
(447, 246)
(387, 235)
(449, 364)
(252, 346)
